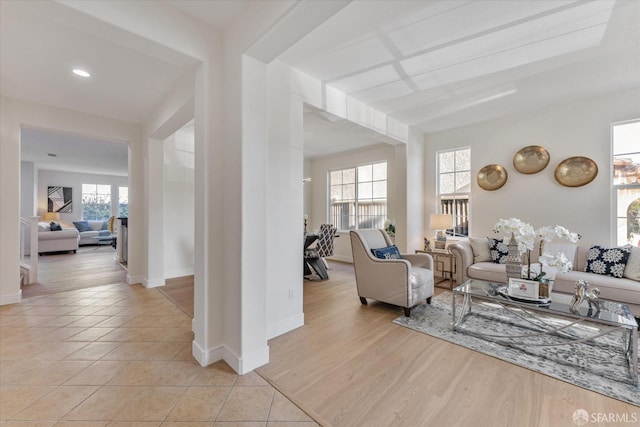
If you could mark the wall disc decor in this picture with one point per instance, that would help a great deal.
(576, 171)
(531, 159)
(492, 177)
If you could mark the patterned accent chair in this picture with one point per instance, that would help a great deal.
(325, 241)
(404, 282)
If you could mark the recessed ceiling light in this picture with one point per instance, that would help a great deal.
(81, 73)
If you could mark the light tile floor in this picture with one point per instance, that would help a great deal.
(120, 355)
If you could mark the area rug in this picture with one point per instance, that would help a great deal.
(598, 365)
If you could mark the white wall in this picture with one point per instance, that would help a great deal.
(75, 180)
(28, 197)
(320, 168)
(178, 206)
(576, 129)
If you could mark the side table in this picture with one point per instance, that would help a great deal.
(444, 262)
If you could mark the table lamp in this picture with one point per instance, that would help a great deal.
(50, 216)
(440, 222)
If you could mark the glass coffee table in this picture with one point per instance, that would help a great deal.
(551, 323)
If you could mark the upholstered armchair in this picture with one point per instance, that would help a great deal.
(404, 282)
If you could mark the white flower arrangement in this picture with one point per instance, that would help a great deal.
(525, 235)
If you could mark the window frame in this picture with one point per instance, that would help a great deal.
(356, 200)
(616, 187)
(96, 194)
(455, 196)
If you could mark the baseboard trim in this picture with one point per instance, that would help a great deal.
(241, 365)
(11, 299)
(206, 357)
(244, 365)
(135, 280)
(153, 283)
(285, 325)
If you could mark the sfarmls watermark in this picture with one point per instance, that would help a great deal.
(582, 417)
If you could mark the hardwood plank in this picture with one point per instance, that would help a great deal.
(350, 365)
(91, 266)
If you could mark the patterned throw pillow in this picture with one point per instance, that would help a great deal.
(390, 252)
(499, 250)
(607, 261)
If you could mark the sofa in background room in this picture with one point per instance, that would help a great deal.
(66, 239)
(89, 229)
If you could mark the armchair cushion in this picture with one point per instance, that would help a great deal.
(390, 252)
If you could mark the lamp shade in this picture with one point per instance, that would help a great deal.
(440, 221)
(51, 216)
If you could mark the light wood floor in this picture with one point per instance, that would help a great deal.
(91, 266)
(350, 366)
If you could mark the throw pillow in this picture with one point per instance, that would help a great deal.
(43, 226)
(105, 225)
(632, 270)
(55, 227)
(390, 252)
(481, 251)
(82, 226)
(499, 250)
(607, 261)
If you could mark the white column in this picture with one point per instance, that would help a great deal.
(10, 213)
(155, 213)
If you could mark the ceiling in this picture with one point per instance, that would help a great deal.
(431, 64)
(73, 153)
(442, 64)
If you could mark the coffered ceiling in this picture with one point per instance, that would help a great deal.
(431, 64)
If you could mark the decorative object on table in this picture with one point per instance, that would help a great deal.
(427, 244)
(525, 235)
(593, 298)
(579, 295)
(531, 159)
(524, 288)
(544, 289)
(60, 199)
(440, 222)
(492, 177)
(390, 228)
(576, 171)
(306, 218)
(514, 260)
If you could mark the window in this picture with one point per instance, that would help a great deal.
(96, 201)
(454, 187)
(358, 197)
(626, 181)
(123, 202)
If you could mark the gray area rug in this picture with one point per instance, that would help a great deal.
(598, 365)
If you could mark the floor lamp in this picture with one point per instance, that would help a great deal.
(440, 222)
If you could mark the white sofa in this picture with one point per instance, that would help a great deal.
(57, 241)
(87, 237)
(624, 290)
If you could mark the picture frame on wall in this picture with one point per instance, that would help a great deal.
(60, 199)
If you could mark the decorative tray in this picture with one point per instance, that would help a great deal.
(504, 291)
